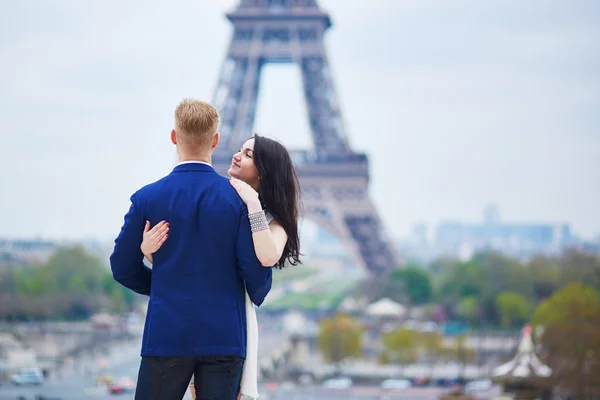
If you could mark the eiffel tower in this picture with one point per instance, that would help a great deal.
(333, 178)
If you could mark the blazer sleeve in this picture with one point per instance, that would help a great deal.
(127, 260)
(258, 278)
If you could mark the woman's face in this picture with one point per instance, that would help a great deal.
(242, 165)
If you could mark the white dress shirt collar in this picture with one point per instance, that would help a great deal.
(193, 162)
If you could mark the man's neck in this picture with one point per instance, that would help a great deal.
(204, 159)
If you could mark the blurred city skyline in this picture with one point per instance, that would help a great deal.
(457, 105)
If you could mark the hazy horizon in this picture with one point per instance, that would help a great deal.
(457, 104)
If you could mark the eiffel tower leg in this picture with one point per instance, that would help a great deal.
(323, 111)
(342, 206)
(237, 92)
(320, 207)
(367, 231)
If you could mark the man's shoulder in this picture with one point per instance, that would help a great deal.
(218, 184)
(150, 187)
(227, 192)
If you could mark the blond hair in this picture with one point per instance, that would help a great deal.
(196, 122)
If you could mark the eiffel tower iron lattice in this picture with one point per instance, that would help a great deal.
(333, 178)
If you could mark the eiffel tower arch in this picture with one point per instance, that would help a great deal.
(333, 178)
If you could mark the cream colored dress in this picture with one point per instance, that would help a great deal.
(249, 384)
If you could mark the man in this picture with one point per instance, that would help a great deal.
(196, 321)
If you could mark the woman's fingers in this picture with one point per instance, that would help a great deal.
(162, 240)
(236, 185)
(159, 230)
(236, 182)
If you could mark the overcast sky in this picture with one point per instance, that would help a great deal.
(458, 103)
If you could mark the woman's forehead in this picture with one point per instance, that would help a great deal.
(249, 144)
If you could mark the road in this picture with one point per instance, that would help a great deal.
(78, 386)
(123, 361)
(74, 390)
(75, 385)
(354, 393)
(78, 382)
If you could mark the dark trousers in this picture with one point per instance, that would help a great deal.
(167, 378)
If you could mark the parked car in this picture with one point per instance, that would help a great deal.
(125, 385)
(396, 384)
(338, 383)
(480, 385)
(28, 376)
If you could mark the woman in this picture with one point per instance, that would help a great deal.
(264, 176)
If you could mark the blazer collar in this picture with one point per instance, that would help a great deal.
(197, 166)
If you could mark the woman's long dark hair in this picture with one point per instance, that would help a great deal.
(279, 192)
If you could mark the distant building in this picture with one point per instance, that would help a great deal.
(516, 239)
(519, 240)
(25, 251)
(16, 252)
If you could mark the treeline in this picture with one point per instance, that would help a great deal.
(566, 331)
(490, 290)
(72, 285)
(559, 296)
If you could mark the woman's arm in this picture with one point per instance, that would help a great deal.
(268, 243)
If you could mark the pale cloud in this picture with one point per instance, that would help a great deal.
(457, 103)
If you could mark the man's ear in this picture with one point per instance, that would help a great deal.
(215, 141)
(173, 136)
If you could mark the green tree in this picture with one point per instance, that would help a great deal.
(578, 266)
(400, 347)
(468, 309)
(571, 338)
(431, 343)
(545, 275)
(500, 274)
(441, 268)
(382, 286)
(72, 284)
(404, 346)
(416, 282)
(463, 280)
(340, 337)
(575, 302)
(513, 308)
(73, 268)
(484, 277)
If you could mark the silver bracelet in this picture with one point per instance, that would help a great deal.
(258, 221)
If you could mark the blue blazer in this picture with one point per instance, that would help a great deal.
(196, 284)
